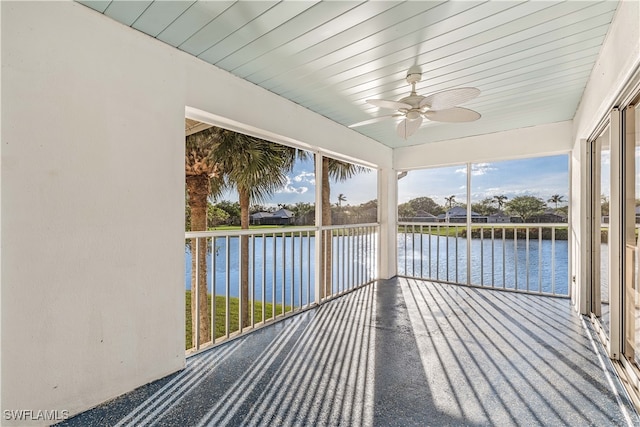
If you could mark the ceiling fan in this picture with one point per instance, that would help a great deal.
(439, 107)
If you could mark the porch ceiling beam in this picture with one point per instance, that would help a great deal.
(551, 139)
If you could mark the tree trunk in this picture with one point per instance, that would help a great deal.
(198, 189)
(244, 255)
(326, 236)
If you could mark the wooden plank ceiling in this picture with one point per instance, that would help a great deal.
(531, 60)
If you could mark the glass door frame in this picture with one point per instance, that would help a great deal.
(624, 135)
(630, 360)
(613, 339)
(594, 294)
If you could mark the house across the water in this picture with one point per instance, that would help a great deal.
(458, 214)
(421, 216)
(279, 217)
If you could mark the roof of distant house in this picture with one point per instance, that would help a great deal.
(283, 213)
(280, 213)
(261, 215)
(554, 212)
(460, 211)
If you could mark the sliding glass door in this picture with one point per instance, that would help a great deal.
(615, 238)
(631, 220)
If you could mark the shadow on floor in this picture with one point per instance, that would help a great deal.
(399, 352)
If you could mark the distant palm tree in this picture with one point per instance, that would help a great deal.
(341, 198)
(500, 200)
(202, 180)
(256, 168)
(604, 205)
(302, 212)
(556, 198)
(450, 200)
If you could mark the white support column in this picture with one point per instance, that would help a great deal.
(388, 219)
(571, 259)
(615, 233)
(318, 239)
(469, 218)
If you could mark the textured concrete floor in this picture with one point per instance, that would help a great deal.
(397, 353)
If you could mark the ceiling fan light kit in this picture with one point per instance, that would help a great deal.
(439, 106)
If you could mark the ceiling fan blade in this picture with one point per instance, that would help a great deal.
(375, 120)
(407, 127)
(453, 115)
(449, 98)
(393, 105)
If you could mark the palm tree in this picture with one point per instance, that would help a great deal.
(335, 170)
(256, 168)
(556, 198)
(500, 200)
(202, 178)
(341, 198)
(302, 212)
(450, 200)
(604, 205)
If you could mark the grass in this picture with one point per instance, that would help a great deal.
(251, 227)
(221, 315)
(561, 233)
(446, 231)
(291, 229)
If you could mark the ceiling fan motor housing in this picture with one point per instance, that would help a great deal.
(413, 100)
(414, 75)
(413, 114)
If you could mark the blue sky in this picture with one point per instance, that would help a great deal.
(301, 186)
(541, 177)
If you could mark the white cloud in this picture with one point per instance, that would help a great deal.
(308, 177)
(477, 169)
(291, 189)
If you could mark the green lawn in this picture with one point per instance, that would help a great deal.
(442, 231)
(291, 229)
(221, 314)
(251, 227)
(561, 233)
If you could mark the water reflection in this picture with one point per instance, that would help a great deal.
(538, 266)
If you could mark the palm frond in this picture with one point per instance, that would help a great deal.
(253, 164)
(341, 171)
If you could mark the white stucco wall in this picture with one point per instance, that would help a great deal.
(92, 198)
(615, 72)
